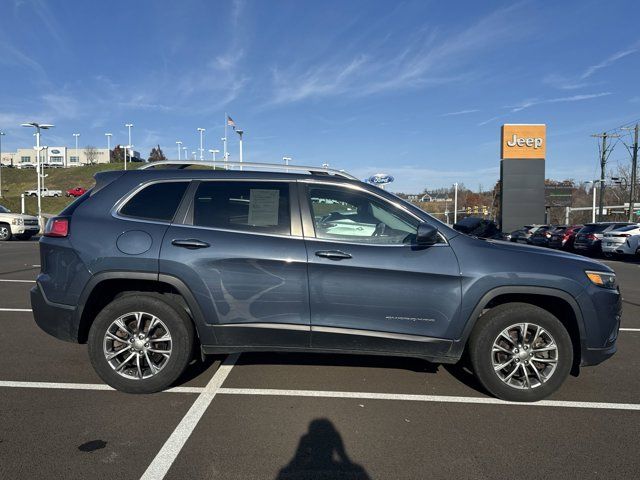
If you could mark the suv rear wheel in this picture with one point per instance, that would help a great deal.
(520, 352)
(141, 343)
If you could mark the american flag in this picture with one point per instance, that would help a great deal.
(230, 122)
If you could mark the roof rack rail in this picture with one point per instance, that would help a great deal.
(252, 166)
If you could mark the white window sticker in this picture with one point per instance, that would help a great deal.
(263, 207)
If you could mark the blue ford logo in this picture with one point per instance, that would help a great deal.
(380, 179)
(55, 151)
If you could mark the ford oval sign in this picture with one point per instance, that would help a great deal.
(380, 179)
(55, 151)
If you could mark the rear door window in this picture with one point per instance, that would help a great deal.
(593, 228)
(259, 207)
(158, 201)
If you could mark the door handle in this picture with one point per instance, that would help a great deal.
(190, 243)
(333, 254)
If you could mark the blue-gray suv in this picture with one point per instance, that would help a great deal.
(156, 266)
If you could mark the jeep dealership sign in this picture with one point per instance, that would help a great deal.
(524, 141)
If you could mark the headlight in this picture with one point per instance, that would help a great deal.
(602, 279)
(17, 221)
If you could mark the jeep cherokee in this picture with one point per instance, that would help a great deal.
(154, 265)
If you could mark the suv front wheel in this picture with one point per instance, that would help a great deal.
(141, 343)
(520, 352)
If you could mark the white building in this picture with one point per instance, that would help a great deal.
(59, 157)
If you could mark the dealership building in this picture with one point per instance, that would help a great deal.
(59, 157)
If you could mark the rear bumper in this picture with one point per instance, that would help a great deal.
(57, 320)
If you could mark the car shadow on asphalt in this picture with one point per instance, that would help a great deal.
(321, 454)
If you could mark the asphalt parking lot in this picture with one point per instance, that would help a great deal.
(294, 416)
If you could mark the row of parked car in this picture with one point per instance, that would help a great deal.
(602, 238)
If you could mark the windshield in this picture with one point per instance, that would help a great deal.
(4, 209)
(626, 229)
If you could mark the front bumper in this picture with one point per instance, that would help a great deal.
(57, 320)
(22, 229)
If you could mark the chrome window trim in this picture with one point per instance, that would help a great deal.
(376, 333)
(399, 206)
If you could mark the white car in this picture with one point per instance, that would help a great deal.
(44, 192)
(631, 246)
(615, 239)
(22, 227)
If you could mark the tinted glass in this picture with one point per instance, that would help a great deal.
(261, 207)
(158, 201)
(593, 228)
(348, 215)
(4, 209)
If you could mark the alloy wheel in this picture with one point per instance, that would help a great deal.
(524, 356)
(137, 345)
(4, 233)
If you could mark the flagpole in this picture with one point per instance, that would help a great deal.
(226, 159)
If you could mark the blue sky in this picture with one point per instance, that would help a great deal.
(416, 89)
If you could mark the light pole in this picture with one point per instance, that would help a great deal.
(593, 208)
(224, 149)
(193, 155)
(38, 127)
(2, 134)
(201, 130)
(179, 143)
(184, 150)
(455, 203)
(240, 132)
(77, 157)
(286, 161)
(213, 156)
(129, 126)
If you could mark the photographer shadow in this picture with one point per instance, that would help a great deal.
(321, 455)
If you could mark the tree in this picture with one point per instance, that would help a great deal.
(117, 155)
(91, 154)
(156, 154)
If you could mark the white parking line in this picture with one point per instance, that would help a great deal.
(178, 438)
(15, 310)
(17, 281)
(424, 398)
(630, 329)
(85, 386)
(170, 450)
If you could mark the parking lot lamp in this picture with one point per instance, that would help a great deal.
(108, 135)
(213, 156)
(455, 203)
(2, 134)
(77, 157)
(179, 143)
(38, 127)
(184, 150)
(240, 132)
(286, 161)
(201, 131)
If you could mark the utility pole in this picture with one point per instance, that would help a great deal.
(605, 151)
(634, 169)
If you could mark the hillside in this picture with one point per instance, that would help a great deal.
(15, 182)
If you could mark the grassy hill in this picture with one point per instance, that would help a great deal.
(15, 182)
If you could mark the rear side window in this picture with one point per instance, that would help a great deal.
(593, 228)
(260, 207)
(158, 201)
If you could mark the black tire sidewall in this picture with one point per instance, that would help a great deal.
(8, 230)
(489, 327)
(176, 320)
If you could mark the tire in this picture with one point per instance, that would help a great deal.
(173, 321)
(5, 232)
(484, 359)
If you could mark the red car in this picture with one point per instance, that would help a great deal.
(563, 237)
(76, 192)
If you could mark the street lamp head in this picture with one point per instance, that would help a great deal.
(201, 129)
(128, 125)
(214, 151)
(43, 126)
(239, 132)
(108, 134)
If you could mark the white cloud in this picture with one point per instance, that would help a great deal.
(460, 112)
(430, 58)
(607, 62)
(574, 98)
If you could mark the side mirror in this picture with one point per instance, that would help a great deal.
(427, 235)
